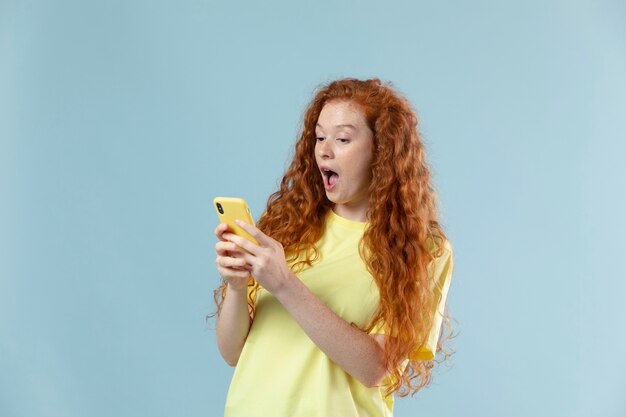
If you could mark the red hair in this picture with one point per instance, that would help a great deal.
(403, 234)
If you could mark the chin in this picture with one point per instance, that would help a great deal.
(331, 199)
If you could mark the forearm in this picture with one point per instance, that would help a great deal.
(354, 351)
(233, 324)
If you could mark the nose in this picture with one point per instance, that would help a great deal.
(324, 149)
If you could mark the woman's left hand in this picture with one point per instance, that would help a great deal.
(265, 262)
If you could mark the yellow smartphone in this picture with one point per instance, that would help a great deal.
(230, 208)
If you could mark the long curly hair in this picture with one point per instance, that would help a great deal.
(403, 234)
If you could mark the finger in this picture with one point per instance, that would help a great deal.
(248, 260)
(220, 229)
(241, 260)
(260, 237)
(225, 272)
(245, 244)
(237, 254)
(225, 248)
(228, 262)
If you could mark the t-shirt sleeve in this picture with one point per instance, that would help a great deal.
(441, 268)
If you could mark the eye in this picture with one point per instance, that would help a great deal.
(319, 139)
(343, 140)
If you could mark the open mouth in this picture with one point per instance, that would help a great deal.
(330, 178)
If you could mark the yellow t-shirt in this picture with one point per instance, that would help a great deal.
(282, 373)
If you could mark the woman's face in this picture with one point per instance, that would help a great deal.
(344, 146)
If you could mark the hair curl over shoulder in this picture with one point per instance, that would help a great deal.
(403, 234)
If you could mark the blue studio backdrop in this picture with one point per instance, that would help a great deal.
(121, 120)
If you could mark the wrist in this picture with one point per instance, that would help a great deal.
(286, 285)
(238, 289)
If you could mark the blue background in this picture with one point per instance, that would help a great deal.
(121, 120)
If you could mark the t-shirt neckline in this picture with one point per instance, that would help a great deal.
(350, 224)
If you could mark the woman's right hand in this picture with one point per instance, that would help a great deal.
(230, 263)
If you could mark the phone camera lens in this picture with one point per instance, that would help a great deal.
(219, 208)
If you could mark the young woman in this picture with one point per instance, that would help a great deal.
(342, 302)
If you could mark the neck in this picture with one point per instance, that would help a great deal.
(353, 213)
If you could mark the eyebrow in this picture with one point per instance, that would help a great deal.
(342, 125)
